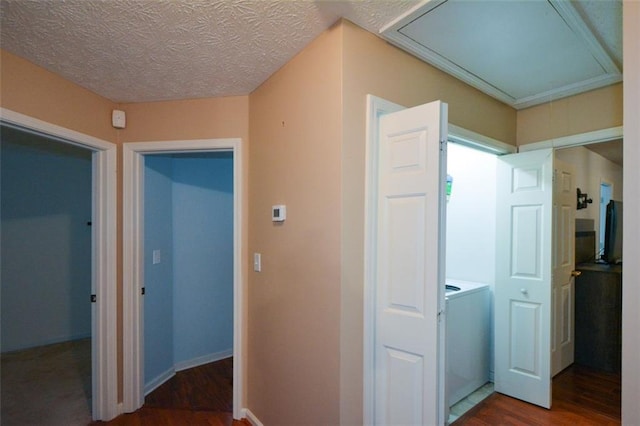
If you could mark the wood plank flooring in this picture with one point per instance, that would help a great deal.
(581, 396)
(203, 396)
(199, 396)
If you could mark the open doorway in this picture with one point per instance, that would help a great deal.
(467, 262)
(100, 225)
(188, 264)
(135, 253)
(46, 279)
(470, 276)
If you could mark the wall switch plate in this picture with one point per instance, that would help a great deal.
(257, 262)
(156, 257)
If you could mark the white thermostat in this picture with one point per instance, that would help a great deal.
(278, 213)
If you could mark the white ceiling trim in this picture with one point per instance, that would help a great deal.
(392, 33)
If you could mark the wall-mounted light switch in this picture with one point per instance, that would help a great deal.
(257, 262)
(156, 257)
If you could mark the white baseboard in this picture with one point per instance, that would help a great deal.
(184, 365)
(247, 414)
(159, 380)
(205, 359)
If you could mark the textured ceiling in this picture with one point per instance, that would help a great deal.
(149, 50)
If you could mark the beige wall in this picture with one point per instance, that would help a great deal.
(207, 118)
(372, 66)
(38, 93)
(294, 303)
(586, 112)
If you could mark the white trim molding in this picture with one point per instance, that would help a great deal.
(204, 359)
(103, 285)
(376, 107)
(159, 380)
(247, 414)
(133, 270)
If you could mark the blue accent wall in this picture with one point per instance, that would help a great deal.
(189, 294)
(158, 235)
(203, 243)
(46, 240)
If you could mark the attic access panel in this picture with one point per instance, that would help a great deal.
(521, 52)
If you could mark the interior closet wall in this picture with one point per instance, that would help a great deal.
(189, 293)
(158, 278)
(46, 241)
(471, 212)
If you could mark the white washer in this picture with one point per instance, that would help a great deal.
(468, 333)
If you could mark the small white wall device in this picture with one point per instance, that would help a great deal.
(118, 119)
(278, 213)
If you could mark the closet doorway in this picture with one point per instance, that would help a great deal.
(136, 251)
(99, 282)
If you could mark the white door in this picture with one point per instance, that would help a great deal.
(409, 336)
(563, 296)
(523, 276)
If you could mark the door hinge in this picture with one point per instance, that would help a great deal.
(142, 291)
(440, 315)
(442, 145)
(93, 298)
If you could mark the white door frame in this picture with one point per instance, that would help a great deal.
(103, 256)
(133, 261)
(376, 107)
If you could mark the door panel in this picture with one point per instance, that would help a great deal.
(563, 325)
(523, 276)
(409, 385)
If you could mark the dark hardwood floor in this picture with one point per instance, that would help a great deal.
(204, 395)
(199, 396)
(581, 396)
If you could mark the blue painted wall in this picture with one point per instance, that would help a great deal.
(189, 295)
(46, 242)
(203, 243)
(158, 235)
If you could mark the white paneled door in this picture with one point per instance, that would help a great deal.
(409, 251)
(523, 276)
(563, 296)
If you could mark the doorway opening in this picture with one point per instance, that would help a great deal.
(470, 276)
(100, 280)
(188, 265)
(46, 310)
(590, 172)
(179, 156)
